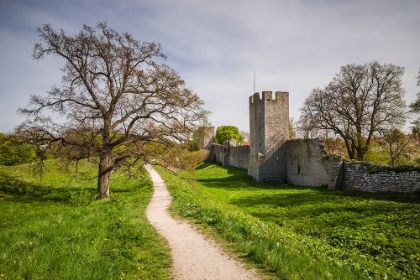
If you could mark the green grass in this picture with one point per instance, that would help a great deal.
(53, 228)
(301, 232)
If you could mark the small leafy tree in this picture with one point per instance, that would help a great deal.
(14, 150)
(228, 132)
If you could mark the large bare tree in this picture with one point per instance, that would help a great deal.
(117, 99)
(360, 101)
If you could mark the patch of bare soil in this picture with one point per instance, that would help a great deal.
(194, 255)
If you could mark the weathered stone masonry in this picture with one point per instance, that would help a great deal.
(359, 177)
(269, 131)
(304, 160)
(273, 158)
(228, 155)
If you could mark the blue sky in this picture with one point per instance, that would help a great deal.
(216, 46)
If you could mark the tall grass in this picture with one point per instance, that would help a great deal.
(300, 232)
(53, 228)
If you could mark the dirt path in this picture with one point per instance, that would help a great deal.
(195, 256)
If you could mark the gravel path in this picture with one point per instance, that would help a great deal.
(195, 256)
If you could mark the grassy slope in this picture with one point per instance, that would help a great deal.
(305, 233)
(54, 229)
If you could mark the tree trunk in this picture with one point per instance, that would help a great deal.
(360, 155)
(359, 151)
(349, 148)
(392, 161)
(104, 174)
(359, 148)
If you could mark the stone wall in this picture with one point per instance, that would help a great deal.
(307, 165)
(334, 170)
(304, 163)
(239, 156)
(362, 177)
(226, 155)
(219, 154)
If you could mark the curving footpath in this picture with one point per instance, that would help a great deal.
(194, 256)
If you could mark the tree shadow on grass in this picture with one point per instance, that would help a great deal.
(239, 178)
(337, 210)
(203, 165)
(277, 202)
(22, 191)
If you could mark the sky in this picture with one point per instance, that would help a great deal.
(220, 48)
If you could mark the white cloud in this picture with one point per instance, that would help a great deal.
(293, 46)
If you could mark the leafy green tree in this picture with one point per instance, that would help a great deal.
(228, 132)
(14, 150)
(117, 97)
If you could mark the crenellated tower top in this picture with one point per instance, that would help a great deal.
(268, 96)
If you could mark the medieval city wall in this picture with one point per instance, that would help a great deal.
(217, 154)
(226, 155)
(307, 165)
(366, 177)
(239, 156)
(334, 170)
(302, 162)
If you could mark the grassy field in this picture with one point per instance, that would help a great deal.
(55, 229)
(300, 232)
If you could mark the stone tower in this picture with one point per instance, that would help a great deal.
(207, 138)
(269, 130)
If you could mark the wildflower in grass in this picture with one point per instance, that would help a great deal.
(105, 239)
